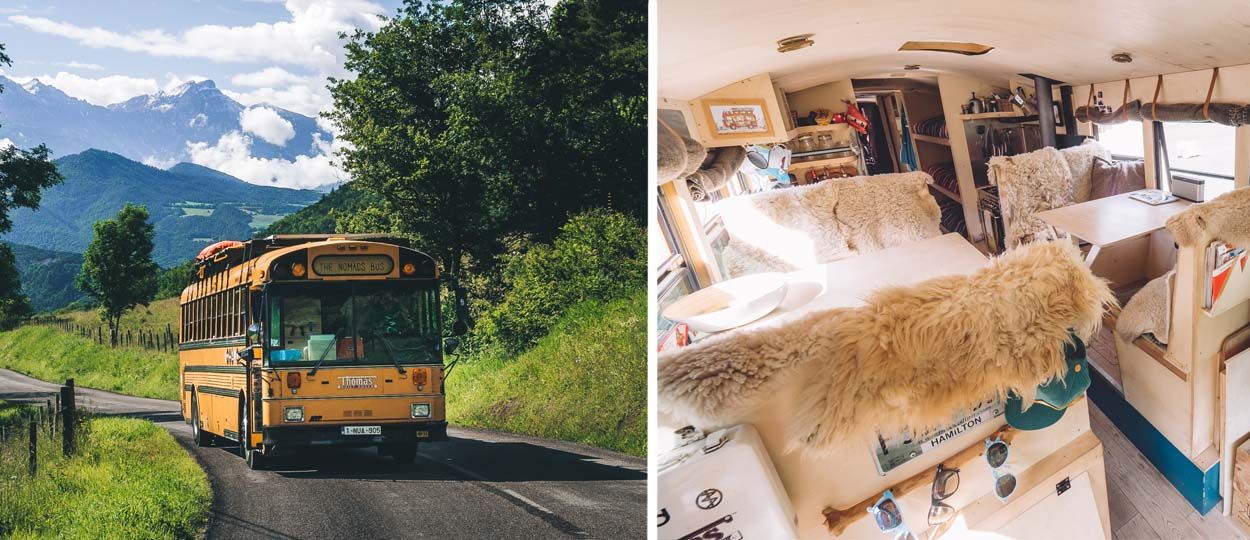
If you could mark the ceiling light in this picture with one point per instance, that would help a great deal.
(969, 49)
(1122, 57)
(794, 43)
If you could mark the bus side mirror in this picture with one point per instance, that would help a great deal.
(253, 334)
(450, 344)
(246, 354)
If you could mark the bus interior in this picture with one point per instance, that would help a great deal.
(882, 228)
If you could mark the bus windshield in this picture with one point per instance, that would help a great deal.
(358, 324)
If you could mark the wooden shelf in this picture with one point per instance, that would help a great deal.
(928, 139)
(948, 193)
(846, 160)
(804, 130)
(991, 115)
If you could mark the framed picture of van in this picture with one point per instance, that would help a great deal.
(745, 117)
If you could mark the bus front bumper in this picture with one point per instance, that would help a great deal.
(285, 438)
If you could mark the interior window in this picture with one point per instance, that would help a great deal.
(1202, 148)
(1124, 140)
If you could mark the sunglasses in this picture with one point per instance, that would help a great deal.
(945, 483)
(996, 456)
(885, 512)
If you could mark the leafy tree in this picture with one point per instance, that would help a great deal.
(117, 268)
(23, 173)
(598, 255)
(480, 122)
(172, 280)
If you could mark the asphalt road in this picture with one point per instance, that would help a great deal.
(481, 484)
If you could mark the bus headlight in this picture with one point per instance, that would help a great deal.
(420, 410)
(293, 414)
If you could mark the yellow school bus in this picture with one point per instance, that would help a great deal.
(294, 341)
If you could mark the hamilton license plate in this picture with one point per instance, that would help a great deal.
(362, 430)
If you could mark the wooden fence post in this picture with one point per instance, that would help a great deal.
(67, 417)
(34, 449)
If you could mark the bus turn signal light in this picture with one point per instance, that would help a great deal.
(298, 270)
(420, 377)
(293, 380)
(409, 269)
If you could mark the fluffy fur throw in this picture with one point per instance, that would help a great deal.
(1149, 311)
(724, 163)
(1229, 114)
(1080, 161)
(1029, 183)
(798, 227)
(910, 357)
(677, 156)
(1226, 218)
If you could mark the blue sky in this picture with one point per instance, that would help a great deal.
(256, 51)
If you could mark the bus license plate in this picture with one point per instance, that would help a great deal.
(362, 430)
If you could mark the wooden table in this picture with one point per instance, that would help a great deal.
(1111, 220)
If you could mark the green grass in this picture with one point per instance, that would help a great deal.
(53, 355)
(585, 382)
(130, 479)
(260, 221)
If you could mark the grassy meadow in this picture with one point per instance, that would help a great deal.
(129, 479)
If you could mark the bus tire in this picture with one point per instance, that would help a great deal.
(198, 435)
(403, 454)
(255, 459)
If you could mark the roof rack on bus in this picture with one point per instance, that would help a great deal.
(283, 240)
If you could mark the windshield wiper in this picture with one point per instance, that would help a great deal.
(394, 357)
(321, 358)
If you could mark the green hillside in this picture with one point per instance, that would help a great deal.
(47, 276)
(191, 206)
(321, 216)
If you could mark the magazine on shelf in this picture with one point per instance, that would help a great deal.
(1220, 261)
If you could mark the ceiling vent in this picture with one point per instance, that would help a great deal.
(794, 43)
(967, 49)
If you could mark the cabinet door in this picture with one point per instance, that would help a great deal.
(1070, 515)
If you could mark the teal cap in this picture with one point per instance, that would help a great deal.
(1053, 396)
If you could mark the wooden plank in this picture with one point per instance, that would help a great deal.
(1122, 509)
(948, 193)
(930, 139)
(1136, 529)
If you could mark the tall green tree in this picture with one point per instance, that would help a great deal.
(486, 124)
(23, 174)
(117, 268)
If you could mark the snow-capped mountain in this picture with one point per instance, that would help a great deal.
(152, 128)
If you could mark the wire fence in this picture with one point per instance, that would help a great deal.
(37, 438)
(152, 339)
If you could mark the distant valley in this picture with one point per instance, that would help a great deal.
(190, 206)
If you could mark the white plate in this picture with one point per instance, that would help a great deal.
(362, 430)
(729, 304)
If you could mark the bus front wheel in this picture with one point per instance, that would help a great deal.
(254, 458)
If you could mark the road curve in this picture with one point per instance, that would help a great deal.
(481, 484)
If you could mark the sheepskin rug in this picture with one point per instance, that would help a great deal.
(788, 229)
(1029, 183)
(909, 357)
(1226, 218)
(1080, 161)
(1149, 311)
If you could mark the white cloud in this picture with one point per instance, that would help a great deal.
(306, 99)
(153, 161)
(266, 124)
(233, 155)
(174, 81)
(81, 65)
(5, 142)
(309, 38)
(270, 76)
(97, 91)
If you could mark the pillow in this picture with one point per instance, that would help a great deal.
(1113, 178)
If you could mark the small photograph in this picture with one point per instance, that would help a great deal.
(957, 271)
(315, 269)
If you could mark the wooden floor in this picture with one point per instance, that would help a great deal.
(1143, 504)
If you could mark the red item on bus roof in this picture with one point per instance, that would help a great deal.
(217, 248)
